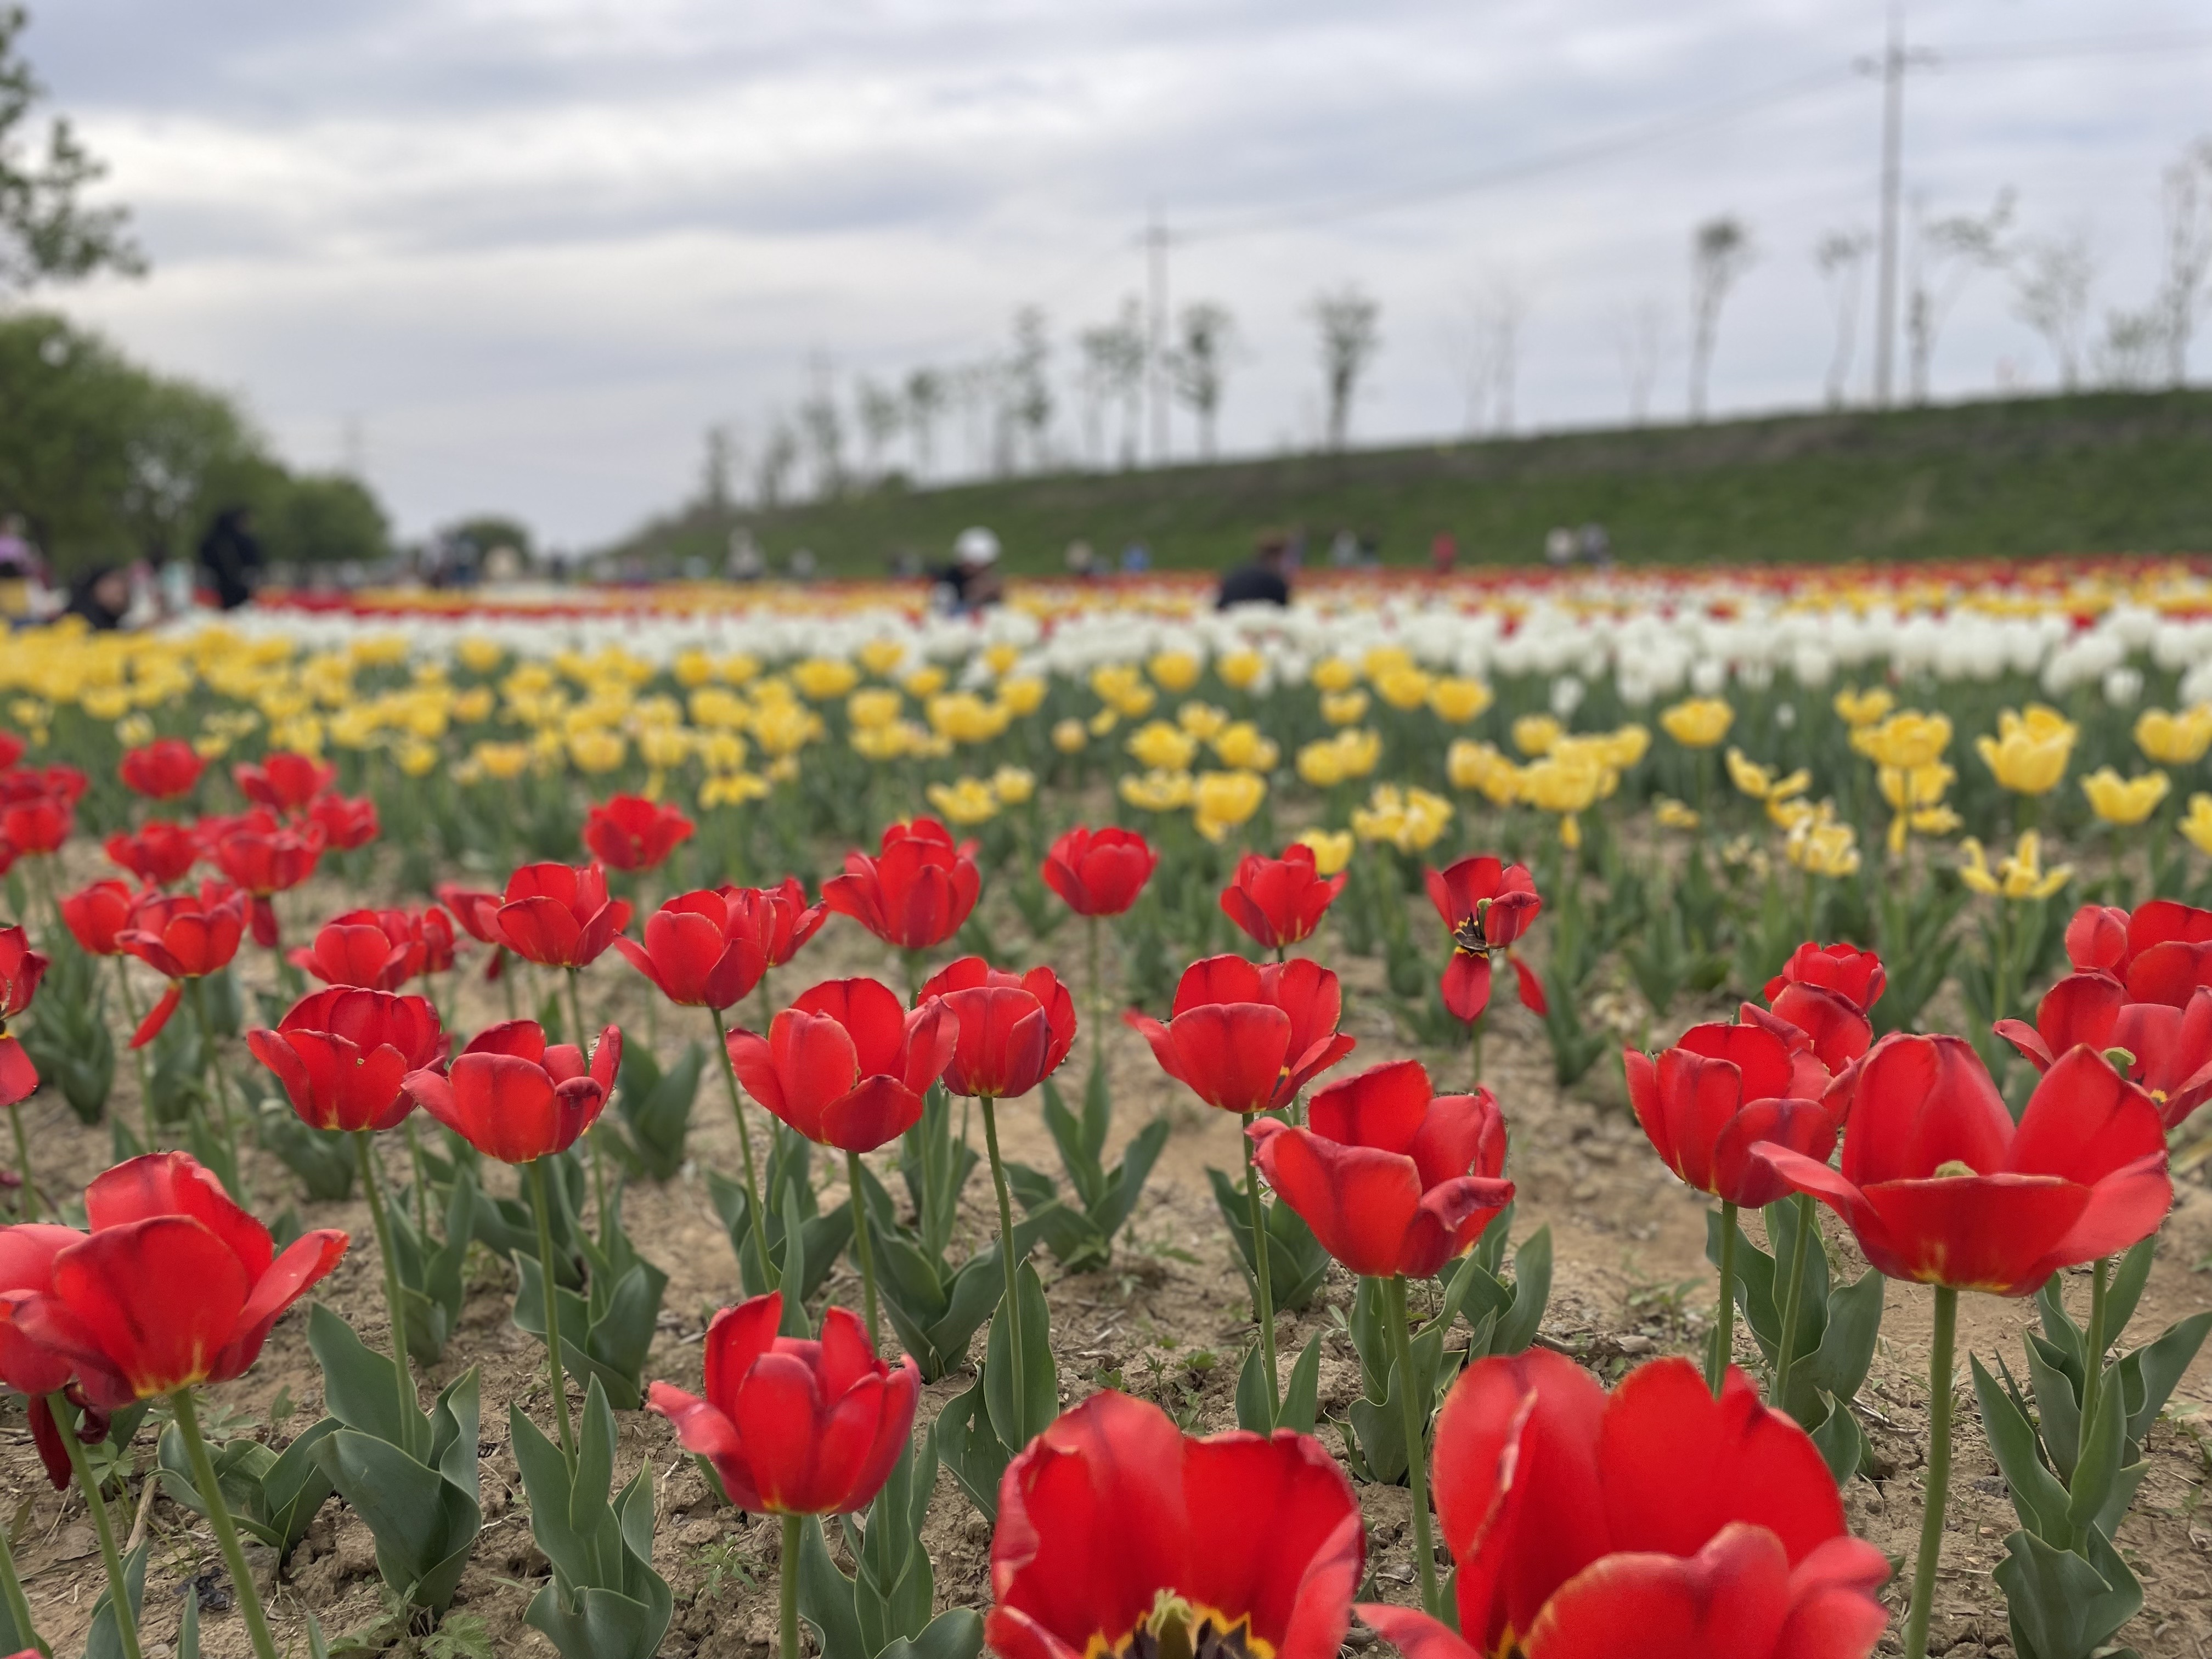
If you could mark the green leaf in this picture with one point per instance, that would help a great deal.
(1841, 1441)
(2062, 1605)
(970, 1448)
(2127, 1288)
(825, 1594)
(2037, 1495)
(2057, 1409)
(424, 1525)
(1016, 1422)
(1301, 1393)
(1840, 1365)
(2104, 1449)
(956, 1633)
(360, 1386)
(105, 1640)
(2149, 1375)
(1255, 1410)
(1532, 1293)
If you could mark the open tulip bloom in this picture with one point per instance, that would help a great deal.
(1394, 1182)
(793, 1427)
(163, 769)
(1099, 872)
(632, 833)
(284, 782)
(1279, 901)
(376, 950)
(20, 969)
(1487, 904)
(174, 1287)
(559, 916)
(1659, 1521)
(1247, 1039)
(1940, 1186)
(1120, 1537)
(915, 891)
(262, 858)
(157, 852)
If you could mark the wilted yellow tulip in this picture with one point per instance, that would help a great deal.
(596, 751)
(1821, 846)
(1176, 672)
(1457, 700)
(1013, 784)
(964, 801)
(1069, 736)
(1698, 722)
(1856, 708)
(1242, 746)
(2021, 876)
(1403, 686)
(1240, 670)
(1906, 740)
(2028, 756)
(2124, 801)
(1156, 792)
(1537, 734)
(1333, 674)
(878, 706)
(1161, 747)
(1760, 783)
(2197, 826)
(1201, 719)
(1343, 708)
(1332, 848)
(1022, 695)
(2175, 739)
(1479, 766)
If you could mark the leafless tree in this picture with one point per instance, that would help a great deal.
(1350, 334)
(1841, 256)
(882, 412)
(1720, 252)
(1946, 254)
(1640, 340)
(972, 389)
(1028, 387)
(2134, 349)
(717, 467)
(772, 471)
(2188, 202)
(822, 428)
(2051, 294)
(925, 406)
(1200, 364)
(1486, 344)
(1114, 370)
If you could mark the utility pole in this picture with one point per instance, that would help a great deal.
(1894, 61)
(1156, 348)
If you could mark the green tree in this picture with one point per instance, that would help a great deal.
(323, 518)
(47, 231)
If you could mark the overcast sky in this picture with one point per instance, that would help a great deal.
(520, 254)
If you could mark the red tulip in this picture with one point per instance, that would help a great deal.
(780, 916)
(159, 852)
(1247, 1039)
(175, 1285)
(27, 1267)
(793, 1426)
(2167, 1050)
(632, 833)
(514, 1097)
(95, 913)
(1099, 872)
(346, 824)
(182, 936)
(20, 969)
(1391, 1178)
(376, 949)
(343, 1055)
(18, 1077)
(478, 916)
(846, 1065)
(37, 823)
(917, 889)
(1279, 901)
(1938, 1185)
(433, 931)
(1854, 974)
(263, 858)
(1118, 1534)
(1015, 1028)
(11, 749)
(163, 769)
(25, 783)
(1487, 905)
(702, 951)
(1826, 991)
(283, 782)
(1721, 1090)
(1658, 1522)
(559, 916)
(2162, 953)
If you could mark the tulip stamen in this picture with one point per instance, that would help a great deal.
(1177, 1630)
(1955, 1169)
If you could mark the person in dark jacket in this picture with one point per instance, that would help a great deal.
(231, 557)
(1262, 581)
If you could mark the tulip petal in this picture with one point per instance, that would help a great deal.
(1413, 1634)
(1358, 1200)
(1293, 1577)
(777, 1412)
(160, 1297)
(701, 1430)
(1730, 1600)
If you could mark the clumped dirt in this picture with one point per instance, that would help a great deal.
(1170, 1316)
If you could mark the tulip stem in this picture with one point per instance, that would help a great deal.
(1263, 1298)
(18, 1604)
(1474, 1049)
(598, 1158)
(789, 1565)
(226, 1534)
(1097, 996)
(31, 1200)
(862, 1243)
(421, 1177)
(1012, 1267)
(541, 1201)
(371, 1186)
(1793, 1303)
(1724, 1348)
(769, 1275)
(118, 1593)
(137, 1055)
(1939, 1472)
(218, 1087)
(2093, 1345)
(1416, 1442)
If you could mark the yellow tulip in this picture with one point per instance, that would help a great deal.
(737, 668)
(1156, 792)
(1334, 674)
(2028, 756)
(1242, 746)
(504, 761)
(1332, 848)
(966, 718)
(1001, 657)
(1320, 764)
(1856, 708)
(1411, 820)
(1821, 846)
(1104, 722)
(134, 730)
(1240, 670)
(1013, 784)
(722, 752)
(1479, 766)
(1202, 720)
(924, 682)
(473, 707)
(480, 655)
(964, 801)
(1698, 722)
(1176, 672)
(2021, 876)
(595, 752)
(734, 788)
(784, 768)
(1537, 734)
(1673, 815)
(692, 668)
(1906, 740)
(820, 678)
(2197, 826)
(666, 747)
(1457, 700)
(1343, 708)
(879, 706)
(1382, 659)
(2175, 739)
(783, 729)
(1161, 747)
(880, 657)
(1624, 746)
(1070, 737)
(2124, 801)
(1022, 695)
(883, 743)
(1403, 686)
(416, 759)
(1228, 798)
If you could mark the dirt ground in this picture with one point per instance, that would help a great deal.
(1170, 1315)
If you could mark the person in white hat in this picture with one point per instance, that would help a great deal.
(972, 580)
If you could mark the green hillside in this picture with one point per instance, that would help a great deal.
(2104, 471)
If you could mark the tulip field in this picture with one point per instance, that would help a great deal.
(1510, 1117)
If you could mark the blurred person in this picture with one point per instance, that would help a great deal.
(972, 580)
(802, 564)
(1082, 562)
(231, 556)
(1593, 546)
(1136, 559)
(1344, 549)
(1261, 581)
(744, 562)
(101, 596)
(1443, 552)
(1559, 547)
(22, 572)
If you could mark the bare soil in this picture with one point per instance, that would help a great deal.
(1170, 1316)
